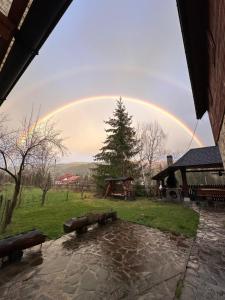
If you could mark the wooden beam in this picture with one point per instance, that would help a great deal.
(184, 181)
(205, 170)
(17, 10)
(9, 25)
(6, 27)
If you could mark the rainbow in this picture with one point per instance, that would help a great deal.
(89, 69)
(146, 103)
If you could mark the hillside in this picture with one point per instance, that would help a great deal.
(78, 168)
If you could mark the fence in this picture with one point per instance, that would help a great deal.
(79, 188)
(140, 190)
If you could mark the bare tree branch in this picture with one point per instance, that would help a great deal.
(152, 147)
(22, 148)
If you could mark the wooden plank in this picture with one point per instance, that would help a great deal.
(8, 25)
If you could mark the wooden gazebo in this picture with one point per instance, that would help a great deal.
(120, 187)
(206, 159)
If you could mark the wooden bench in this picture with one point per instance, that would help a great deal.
(12, 247)
(81, 224)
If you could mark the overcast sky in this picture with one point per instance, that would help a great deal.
(131, 48)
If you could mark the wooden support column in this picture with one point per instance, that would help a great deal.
(184, 181)
(157, 184)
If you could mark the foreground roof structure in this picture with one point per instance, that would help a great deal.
(206, 158)
(193, 17)
(24, 27)
(202, 25)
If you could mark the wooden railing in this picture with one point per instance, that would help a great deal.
(207, 192)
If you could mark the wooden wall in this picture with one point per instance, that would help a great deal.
(216, 60)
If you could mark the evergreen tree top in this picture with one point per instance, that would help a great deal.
(120, 145)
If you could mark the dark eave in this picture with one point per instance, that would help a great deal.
(41, 19)
(193, 15)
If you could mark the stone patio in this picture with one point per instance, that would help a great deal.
(205, 275)
(118, 261)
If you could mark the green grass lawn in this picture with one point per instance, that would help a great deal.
(50, 218)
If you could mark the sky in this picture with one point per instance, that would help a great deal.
(104, 49)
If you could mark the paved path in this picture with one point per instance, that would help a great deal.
(118, 261)
(205, 276)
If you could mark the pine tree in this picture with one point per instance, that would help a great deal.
(115, 158)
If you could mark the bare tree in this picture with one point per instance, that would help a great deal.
(46, 160)
(19, 149)
(152, 147)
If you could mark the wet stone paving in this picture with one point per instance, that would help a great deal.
(118, 261)
(205, 274)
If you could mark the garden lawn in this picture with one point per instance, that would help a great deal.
(49, 219)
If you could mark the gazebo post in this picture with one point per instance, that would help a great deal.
(158, 184)
(184, 181)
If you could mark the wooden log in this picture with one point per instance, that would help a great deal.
(103, 218)
(76, 224)
(20, 242)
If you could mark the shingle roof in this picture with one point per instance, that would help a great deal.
(206, 157)
(200, 157)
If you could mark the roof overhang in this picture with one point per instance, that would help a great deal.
(195, 168)
(193, 15)
(24, 27)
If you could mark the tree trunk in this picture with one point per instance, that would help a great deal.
(67, 194)
(10, 210)
(44, 192)
(20, 196)
(144, 179)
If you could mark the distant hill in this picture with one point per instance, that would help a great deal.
(77, 168)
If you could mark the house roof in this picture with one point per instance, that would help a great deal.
(198, 158)
(66, 176)
(24, 27)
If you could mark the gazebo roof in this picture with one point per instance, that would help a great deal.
(198, 158)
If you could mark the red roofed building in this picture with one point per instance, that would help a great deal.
(67, 179)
